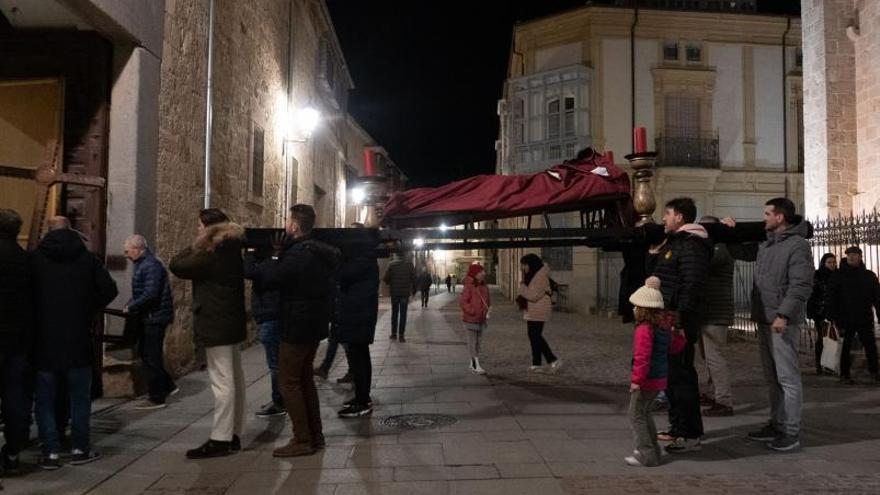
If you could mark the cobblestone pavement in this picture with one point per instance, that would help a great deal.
(513, 432)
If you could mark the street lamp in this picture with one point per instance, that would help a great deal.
(358, 195)
(302, 124)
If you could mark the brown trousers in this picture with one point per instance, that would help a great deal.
(297, 385)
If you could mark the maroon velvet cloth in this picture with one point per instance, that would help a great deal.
(571, 186)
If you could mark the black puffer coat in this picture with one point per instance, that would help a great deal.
(70, 286)
(816, 302)
(853, 294)
(16, 307)
(357, 300)
(304, 274)
(265, 303)
(214, 265)
(718, 290)
(682, 264)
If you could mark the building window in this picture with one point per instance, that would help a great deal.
(518, 120)
(682, 116)
(670, 51)
(693, 53)
(568, 123)
(256, 163)
(553, 119)
(799, 58)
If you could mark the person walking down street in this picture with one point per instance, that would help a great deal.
(215, 266)
(681, 262)
(852, 297)
(449, 283)
(717, 317)
(436, 284)
(454, 283)
(401, 279)
(354, 324)
(16, 333)
(424, 284)
(816, 304)
(70, 286)
(474, 302)
(534, 297)
(266, 309)
(303, 270)
(151, 302)
(653, 341)
(783, 281)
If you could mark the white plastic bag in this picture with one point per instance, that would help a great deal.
(832, 349)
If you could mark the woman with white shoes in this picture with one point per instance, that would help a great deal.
(474, 303)
(534, 298)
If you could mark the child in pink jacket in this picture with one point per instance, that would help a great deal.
(474, 303)
(653, 341)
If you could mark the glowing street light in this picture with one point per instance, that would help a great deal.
(358, 195)
(418, 242)
(303, 123)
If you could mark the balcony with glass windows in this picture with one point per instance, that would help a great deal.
(690, 149)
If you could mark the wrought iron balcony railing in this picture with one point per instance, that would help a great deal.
(695, 151)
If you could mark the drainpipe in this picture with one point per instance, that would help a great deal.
(208, 104)
(288, 173)
(785, 107)
(632, 71)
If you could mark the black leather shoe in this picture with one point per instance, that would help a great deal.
(211, 448)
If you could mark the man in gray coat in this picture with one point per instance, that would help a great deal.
(783, 281)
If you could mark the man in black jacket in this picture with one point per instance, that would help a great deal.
(302, 270)
(266, 309)
(853, 295)
(16, 327)
(70, 286)
(681, 262)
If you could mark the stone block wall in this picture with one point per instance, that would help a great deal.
(867, 93)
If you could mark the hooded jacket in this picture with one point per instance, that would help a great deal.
(150, 291)
(474, 301)
(70, 286)
(783, 275)
(16, 306)
(357, 300)
(853, 291)
(304, 274)
(682, 264)
(214, 265)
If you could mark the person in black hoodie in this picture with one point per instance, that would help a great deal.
(302, 269)
(216, 269)
(816, 303)
(853, 295)
(266, 309)
(681, 262)
(70, 286)
(16, 327)
(354, 323)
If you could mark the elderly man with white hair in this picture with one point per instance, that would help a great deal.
(151, 301)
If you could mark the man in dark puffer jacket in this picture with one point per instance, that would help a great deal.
(152, 303)
(16, 325)
(682, 264)
(266, 310)
(302, 270)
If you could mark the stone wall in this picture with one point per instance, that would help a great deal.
(867, 59)
(250, 71)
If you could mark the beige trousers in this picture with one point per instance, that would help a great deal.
(227, 384)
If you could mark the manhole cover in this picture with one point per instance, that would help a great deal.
(419, 421)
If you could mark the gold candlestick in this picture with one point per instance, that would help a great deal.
(643, 191)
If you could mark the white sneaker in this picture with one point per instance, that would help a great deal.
(477, 368)
(556, 365)
(632, 461)
(536, 369)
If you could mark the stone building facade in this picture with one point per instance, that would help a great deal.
(718, 93)
(841, 106)
(269, 60)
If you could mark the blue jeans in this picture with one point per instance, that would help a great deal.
(79, 383)
(159, 382)
(270, 337)
(398, 314)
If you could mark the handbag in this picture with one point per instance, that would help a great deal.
(832, 349)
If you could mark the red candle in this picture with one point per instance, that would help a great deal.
(369, 164)
(640, 139)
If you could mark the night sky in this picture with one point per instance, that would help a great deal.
(428, 75)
